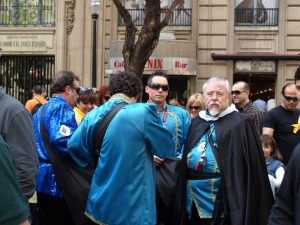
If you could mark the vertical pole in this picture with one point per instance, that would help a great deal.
(94, 52)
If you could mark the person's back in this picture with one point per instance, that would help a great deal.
(261, 105)
(13, 207)
(17, 130)
(37, 99)
(125, 172)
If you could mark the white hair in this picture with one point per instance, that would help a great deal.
(217, 79)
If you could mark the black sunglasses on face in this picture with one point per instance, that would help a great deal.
(288, 98)
(236, 92)
(163, 87)
(195, 107)
(77, 89)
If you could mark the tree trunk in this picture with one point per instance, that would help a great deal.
(136, 54)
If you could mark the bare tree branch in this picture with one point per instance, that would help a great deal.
(169, 14)
(137, 54)
(129, 35)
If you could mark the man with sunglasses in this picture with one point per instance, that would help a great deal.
(240, 96)
(58, 118)
(175, 119)
(279, 120)
(287, 204)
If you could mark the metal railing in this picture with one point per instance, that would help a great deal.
(256, 17)
(36, 13)
(18, 74)
(181, 17)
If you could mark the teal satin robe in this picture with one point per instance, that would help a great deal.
(123, 186)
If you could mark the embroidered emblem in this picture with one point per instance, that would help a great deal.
(296, 126)
(64, 130)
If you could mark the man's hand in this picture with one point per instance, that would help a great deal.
(158, 161)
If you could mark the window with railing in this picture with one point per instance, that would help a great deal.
(256, 13)
(39, 13)
(181, 17)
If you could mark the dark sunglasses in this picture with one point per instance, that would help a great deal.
(163, 87)
(195, 107)
(106, 98)
(77, 89)
(295, 99)
(236, 92)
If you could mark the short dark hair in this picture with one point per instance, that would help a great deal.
(38, 89)
(61, 80)
(297, 74)
(86, 96)
(127, 83)
(158, 73)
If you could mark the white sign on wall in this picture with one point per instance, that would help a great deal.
(26, 43)
(255, 66)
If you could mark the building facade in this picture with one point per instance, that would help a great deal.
(257, 41)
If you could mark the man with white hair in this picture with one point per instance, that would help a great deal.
(223, 177)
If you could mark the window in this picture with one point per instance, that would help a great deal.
(256, 13)
(182, 14)
(27, 13)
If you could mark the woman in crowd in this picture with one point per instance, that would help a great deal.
(85, 102)
(195, 104)
(103, 95)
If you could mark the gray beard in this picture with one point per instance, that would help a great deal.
(214, 112)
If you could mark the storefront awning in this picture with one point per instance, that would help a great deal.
(255, 56)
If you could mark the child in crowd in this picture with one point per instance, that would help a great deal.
(273, 161)
(85, 102)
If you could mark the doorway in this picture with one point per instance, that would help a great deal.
(262, 86)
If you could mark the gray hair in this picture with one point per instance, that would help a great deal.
(217, 79)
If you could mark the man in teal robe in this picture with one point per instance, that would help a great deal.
(123, 187)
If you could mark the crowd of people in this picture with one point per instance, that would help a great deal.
(238, 160)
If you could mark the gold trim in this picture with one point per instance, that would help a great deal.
(93, 219)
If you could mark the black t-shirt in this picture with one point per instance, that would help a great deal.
(281, 120)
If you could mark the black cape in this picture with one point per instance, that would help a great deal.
(287, 200)
(248, 188)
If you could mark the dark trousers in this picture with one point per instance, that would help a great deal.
(34, 216)
(164, 214)
(53, 210)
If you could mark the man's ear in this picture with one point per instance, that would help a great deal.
(68, 90)
(146, 89)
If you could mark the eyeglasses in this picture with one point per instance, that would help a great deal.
(106, 98)
(237, 92)
(288, 98)
(195, 107)
(163, 87)
(77, 89)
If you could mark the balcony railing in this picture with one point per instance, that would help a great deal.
(256, 17)
(37, 13)
(181, 17)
